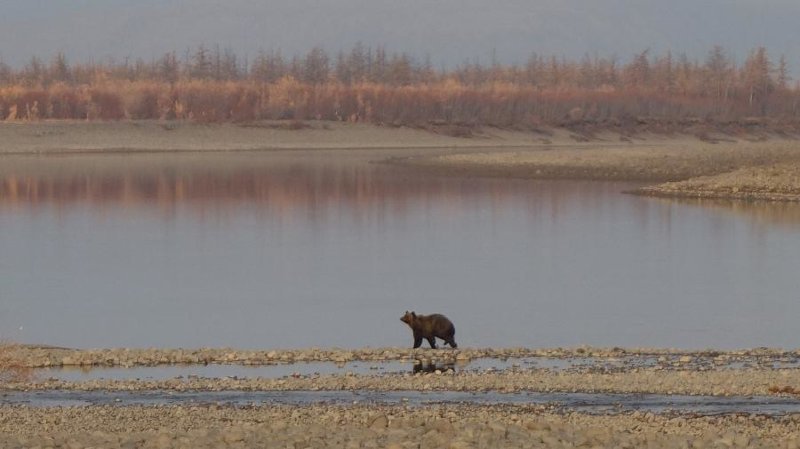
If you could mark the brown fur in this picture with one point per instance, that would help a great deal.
(429, 327)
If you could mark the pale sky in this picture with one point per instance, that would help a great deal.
(450, 31)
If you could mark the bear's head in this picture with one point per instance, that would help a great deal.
(409, 318)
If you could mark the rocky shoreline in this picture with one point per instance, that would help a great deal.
(373, 426)
(773, 182)
(33, 356)
(758, 371)
(751, 372)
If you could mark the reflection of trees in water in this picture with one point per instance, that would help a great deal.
(298, 188)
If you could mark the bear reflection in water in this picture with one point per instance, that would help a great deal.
(426, 366)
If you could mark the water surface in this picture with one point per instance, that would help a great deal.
(593, 403)
(301, 249)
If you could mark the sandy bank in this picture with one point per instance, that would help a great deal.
(742, 170)
(60, 137)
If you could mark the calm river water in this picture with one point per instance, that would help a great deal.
(278, 250)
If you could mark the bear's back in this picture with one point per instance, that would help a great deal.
(435, 323)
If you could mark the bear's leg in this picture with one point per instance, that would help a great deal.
(432, 341)
(417, 341)
(451, 341)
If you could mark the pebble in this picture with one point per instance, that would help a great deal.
(379, 422)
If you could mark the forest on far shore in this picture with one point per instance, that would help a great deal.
(369, 84)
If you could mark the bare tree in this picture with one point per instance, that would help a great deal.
(757, 80)
(201, 63)
(637, 73)
(399, 71)
(59, 69)
(316, 66)
(782, 74)
(268, 67)
(168, 68)
(5, 73)
(719, 73)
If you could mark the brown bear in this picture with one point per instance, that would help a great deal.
(429, 327)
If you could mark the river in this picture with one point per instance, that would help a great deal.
(302, 249)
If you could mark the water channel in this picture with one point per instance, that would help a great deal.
(583, 402)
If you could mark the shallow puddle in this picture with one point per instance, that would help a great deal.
(163, 372)
(574, 364)
(583, 402)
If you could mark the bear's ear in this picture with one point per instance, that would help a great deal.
(413, 314)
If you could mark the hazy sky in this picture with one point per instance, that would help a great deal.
(450, 31)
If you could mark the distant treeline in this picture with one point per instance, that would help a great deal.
(369, 84)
